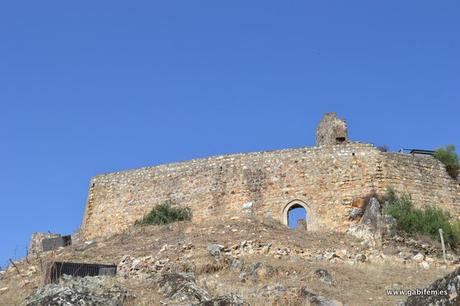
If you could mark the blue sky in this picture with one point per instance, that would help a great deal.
(95, 87)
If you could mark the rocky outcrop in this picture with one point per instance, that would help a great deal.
(444, 291)
(324, 276)
(141, 268)
(214, 250)
(182, 287)
(225, 300)
(373, 225)
(318, 300)
(88, 291)
(372, 215)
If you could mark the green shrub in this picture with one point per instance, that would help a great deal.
(426, 221)
(449, 158)
(456, 230)
(165, 213)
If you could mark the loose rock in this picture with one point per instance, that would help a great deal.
(324, 276)
(225, 300)
(215, 250)
(182, 287)
(89, 291)
(449, 285)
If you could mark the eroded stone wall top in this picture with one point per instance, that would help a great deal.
(331, 130)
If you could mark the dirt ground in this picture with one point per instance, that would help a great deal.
(294, 256)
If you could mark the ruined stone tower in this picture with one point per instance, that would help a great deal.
(331, 130)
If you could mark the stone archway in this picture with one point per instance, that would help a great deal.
(297, 204)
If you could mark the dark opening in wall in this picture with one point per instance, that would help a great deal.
(340, 139)
(55, 243)
(56, 269)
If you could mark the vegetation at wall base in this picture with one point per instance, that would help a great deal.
(425, 221)
(165, 213)
(449, 158)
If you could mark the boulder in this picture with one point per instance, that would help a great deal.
(140, 267)
(360, 257)
(448, 289)
(89, 291)
(324, 276)
(236, 264)
(418, 257)
(224, 300)
(356, 212)
(215, 250)
(182, 287)
(364, 232)
(258, 270)
(318, 300)
(372, 215)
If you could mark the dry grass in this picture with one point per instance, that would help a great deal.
(185, 245)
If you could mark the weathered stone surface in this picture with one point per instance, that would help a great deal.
(324, 276)
(418, 257)
(372, 215)
(327, 179)
(318, 300)
(88, 291)
(449, 286)
(247, 207)
(214, 250)
(331, 130)
(182, 287)
(141, 268)
(356, 213)
(364, 232)
(257, 270)
(225, 300)
(271, 290)
(360, 258)
(35, 246)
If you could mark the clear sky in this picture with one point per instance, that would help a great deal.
(90, 87)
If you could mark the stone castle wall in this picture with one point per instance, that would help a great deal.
(325, 179)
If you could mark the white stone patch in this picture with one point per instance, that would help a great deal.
(247, 206)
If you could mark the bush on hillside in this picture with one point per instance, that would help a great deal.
(426, 221)
(165, 213)
(449, 158)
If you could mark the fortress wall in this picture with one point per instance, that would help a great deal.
(325, 178)
(424, 178)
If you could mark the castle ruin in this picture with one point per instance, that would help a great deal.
(324, 180)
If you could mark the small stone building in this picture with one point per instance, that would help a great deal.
(43, 242)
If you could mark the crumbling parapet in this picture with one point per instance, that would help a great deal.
(331, 130)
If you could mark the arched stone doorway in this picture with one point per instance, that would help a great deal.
(294, 211)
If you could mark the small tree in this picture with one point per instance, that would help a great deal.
(449, 158)
(165, 213)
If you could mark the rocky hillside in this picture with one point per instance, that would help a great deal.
(242, 262)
